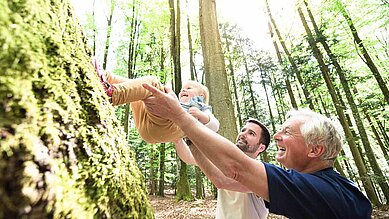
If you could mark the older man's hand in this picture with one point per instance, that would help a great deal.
(165, 105)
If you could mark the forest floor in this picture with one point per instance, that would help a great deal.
(167, 207)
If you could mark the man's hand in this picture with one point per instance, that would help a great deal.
(165, 105)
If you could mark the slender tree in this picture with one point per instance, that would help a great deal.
(109, 30)
(350, 98)
(134, 23)
(290, 58)
(94, 28)
(230, 56)
(279, 57)
(365, 54)
(183, 188)
(249, 84)
(152, 173)
(192, 68)
(161, 181)
(349, 137)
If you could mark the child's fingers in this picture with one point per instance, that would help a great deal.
(152, 89)
(193, 109)
(168, 89)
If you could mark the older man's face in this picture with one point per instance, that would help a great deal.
(292, 149)
(248, 139)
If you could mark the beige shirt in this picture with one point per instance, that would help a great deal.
(235, 205)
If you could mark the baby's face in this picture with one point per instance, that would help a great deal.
(187, 92)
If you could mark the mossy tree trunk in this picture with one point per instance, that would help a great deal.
(63, 153)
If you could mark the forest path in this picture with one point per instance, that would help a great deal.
(168, 208)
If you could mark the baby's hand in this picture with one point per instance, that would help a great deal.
(199, 115)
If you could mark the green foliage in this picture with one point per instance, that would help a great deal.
(63, 154)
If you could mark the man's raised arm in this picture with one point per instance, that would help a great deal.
(219, 150)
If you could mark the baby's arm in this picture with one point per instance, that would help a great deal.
(184, 152)
(206, 117)
(213, 123)
(199, 115)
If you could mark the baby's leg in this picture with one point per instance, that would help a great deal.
(132, 90)
(114, 79)
(154, 129)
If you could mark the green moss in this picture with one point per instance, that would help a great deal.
(63, 153)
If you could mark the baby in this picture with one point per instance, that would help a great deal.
(193, 97)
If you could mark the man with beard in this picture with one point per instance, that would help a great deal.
(233, 200)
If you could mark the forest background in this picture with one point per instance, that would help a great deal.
(66, 152)
(330, 56)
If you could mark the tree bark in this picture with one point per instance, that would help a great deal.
(183, 188)
(215, 70)
(192, 68)
(350, 99)
(287, 82)
(199, 183)
(109, 30)
(161, 182)
(63, 153)
(290, 58)
(233, 81)
(367, 59)
(349, 137)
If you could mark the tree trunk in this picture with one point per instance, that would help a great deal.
(349, 137)
(287, 82)
(276, 92)
(383, 131)
(215, 70)
(339, 168)
(177, 47)
(126, 119)
(183, 189)
(250, 85)
(152, 178)
(377, 136)
(192, 68)
(173, 35)
(133, 43)
(199, 183)
(265, 155)
(63, 153)
(290, 58)
(367, 59)
(109, 30)
(131, 60)
(94, 29)
(263, 77)
(161, 182)
(379, 176)
(233, 81)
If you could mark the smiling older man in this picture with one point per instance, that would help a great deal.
(308, 145)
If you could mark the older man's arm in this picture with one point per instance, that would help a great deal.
(220, 151)
(214, 174)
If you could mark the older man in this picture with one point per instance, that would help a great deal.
(234, 201)
(307, 145)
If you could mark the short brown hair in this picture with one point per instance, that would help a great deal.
(265, 136)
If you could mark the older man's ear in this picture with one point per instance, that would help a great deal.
(316, 151)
